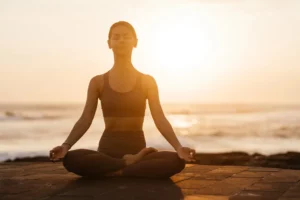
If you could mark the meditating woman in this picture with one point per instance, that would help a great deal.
(123, 92)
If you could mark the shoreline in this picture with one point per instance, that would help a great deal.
(288, 160)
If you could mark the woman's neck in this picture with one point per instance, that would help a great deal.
(122, 65)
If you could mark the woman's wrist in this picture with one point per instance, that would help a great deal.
(178, 147)
(68, 145)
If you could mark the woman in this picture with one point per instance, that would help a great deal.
(123, 92)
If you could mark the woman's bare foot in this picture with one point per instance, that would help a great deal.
(112, 174)
(131, 159)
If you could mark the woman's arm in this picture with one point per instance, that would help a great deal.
(87, 116)
(163, 125)
(161, 122)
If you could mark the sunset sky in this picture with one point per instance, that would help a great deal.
(199, 51)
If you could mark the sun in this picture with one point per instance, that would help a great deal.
(182, 50)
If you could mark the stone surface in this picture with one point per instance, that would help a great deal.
(50, 181)
(288, 160)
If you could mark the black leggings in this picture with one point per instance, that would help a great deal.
(89, 163)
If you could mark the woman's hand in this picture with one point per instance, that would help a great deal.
(58, 152)
(186, 154)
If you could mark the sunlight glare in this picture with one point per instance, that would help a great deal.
(184, 52)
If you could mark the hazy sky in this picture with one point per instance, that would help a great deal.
(198, 50)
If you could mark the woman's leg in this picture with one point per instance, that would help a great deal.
(161, 164)
(85, 162)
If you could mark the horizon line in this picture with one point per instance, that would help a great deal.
(163, 103)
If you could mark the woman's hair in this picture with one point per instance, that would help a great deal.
(123, 23)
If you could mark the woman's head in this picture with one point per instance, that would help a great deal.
(122, 38)
(122, 23)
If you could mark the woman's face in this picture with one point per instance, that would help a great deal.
(122, 40)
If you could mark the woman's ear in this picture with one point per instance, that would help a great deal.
(135, 43)
(108, 42)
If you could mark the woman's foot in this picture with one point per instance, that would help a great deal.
(131, 159)
(112, 174)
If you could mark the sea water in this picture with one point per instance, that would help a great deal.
(33, 130)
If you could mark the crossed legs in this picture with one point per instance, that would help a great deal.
(147, 163)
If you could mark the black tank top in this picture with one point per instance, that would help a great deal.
(123, 104)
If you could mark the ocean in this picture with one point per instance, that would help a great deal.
(33, 130)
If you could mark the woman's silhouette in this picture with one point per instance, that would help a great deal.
(122, 150)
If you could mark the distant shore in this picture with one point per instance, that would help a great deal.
(289, 160)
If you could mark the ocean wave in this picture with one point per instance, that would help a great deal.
(14, 116)
(226, 108)
(286, 133)
(175, 109)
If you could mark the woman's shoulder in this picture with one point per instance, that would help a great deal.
(147, 80)
(99, 77)
(98, 80)
(146, 77)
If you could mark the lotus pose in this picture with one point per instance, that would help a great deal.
(123, 92)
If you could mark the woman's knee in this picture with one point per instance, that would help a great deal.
(177, 163)
(70, 158)
(67, 161)
(180, 163)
